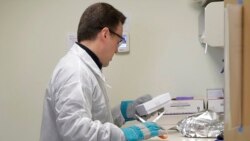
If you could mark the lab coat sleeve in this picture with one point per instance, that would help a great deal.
(73, 117)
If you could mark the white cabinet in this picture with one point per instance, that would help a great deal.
(213, 32)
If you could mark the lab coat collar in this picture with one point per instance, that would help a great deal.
(86, 58)
(91, 54)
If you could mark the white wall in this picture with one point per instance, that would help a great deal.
(165, 55)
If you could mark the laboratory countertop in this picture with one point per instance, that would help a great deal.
(168, 122)
(176, 136)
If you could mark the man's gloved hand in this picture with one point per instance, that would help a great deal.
(128, 107)
(126, 110)
(143, 131)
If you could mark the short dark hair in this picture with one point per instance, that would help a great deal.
(96, 17)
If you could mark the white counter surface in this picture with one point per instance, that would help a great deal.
(168, 121)
(175, 136)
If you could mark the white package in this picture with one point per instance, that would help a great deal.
(216, 105)
(153, 105)
(176, 107)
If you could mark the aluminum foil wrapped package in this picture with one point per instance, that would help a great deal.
(204, 124)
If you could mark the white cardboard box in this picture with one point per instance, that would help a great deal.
(171, 120)
(215, 93)
(216, 105)
(176, 107)
(153, 105)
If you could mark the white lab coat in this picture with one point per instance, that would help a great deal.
(76, 105)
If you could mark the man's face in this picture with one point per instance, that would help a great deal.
(115, 37)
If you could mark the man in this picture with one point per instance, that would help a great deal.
(76, 106)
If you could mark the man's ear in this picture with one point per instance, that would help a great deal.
(105, 32)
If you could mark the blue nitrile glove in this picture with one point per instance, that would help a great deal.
(143, 131)
(126, 110)
(128, 107)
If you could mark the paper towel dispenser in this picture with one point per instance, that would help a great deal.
(212, 30)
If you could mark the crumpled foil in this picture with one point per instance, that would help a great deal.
(204, 124)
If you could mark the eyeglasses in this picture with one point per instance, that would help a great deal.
(122, 39)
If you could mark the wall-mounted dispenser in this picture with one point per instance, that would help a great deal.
(212, 25)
